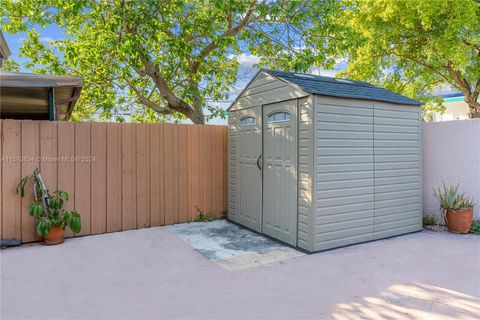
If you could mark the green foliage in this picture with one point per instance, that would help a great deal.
(475, 228)
(413, 47)
(21, 186)
(49, 213)
(10, 65)
(172, 57)
(203, 217)
(430, 220)
(451, 199)
(54, 215)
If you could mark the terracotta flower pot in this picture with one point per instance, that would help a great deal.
(55, 236)
(459, 221)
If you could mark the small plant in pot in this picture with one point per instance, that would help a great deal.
(51, 218)
(457, 208)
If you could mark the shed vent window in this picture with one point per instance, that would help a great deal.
(278, 117)
(247, 121)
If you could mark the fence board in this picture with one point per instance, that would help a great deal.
(66, 164)
(190, 172)
(182, 174)
(194, 172)
(156, 179)
(99, 178)
(11, 202)
(30, 153)
(129, 213)
(168, 173)
(175, 176)
(49, 154)
(118, 176)
(161, 191)
(206, 158)
(217, 175)
(82, 174)
(114, 178)
(143, 176)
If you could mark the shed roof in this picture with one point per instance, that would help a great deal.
(335, 87)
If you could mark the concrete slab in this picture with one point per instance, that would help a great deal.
(231, 246)
(154, 274)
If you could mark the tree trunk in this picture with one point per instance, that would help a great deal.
(473, 105)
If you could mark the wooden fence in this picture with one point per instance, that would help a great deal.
(118, 176)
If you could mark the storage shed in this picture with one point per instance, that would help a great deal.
(319, 162)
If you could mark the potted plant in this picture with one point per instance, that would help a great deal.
(457, 208)
(51, 218)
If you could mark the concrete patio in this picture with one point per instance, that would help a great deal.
(154, 273)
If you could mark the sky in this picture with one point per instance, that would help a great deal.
(51, 32)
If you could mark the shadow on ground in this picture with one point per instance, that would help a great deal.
(412, 301)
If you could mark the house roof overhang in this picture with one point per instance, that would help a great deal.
(4, 48)
(33, 96)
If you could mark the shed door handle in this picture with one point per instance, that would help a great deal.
(258, 162)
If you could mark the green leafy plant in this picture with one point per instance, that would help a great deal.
(203, 217)
(451, 199)
(475, 228)
(55, 215)
(430, 220)
(48, 209)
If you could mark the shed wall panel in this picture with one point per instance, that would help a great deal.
(344, 172)
(397, 170)
(305, 174)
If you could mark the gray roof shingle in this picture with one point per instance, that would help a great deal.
(342, 88)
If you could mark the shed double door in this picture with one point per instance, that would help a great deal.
(267, 170)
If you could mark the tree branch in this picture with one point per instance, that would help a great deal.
(228, 33)
(432, 68)
(153, 72)
(463, 84)
(475, 47)
(148, 102)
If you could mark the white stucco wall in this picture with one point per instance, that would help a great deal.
(457, 110)
(451, 152)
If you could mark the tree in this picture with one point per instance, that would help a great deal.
(10, 65)
(415, 47)
(167, 58)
